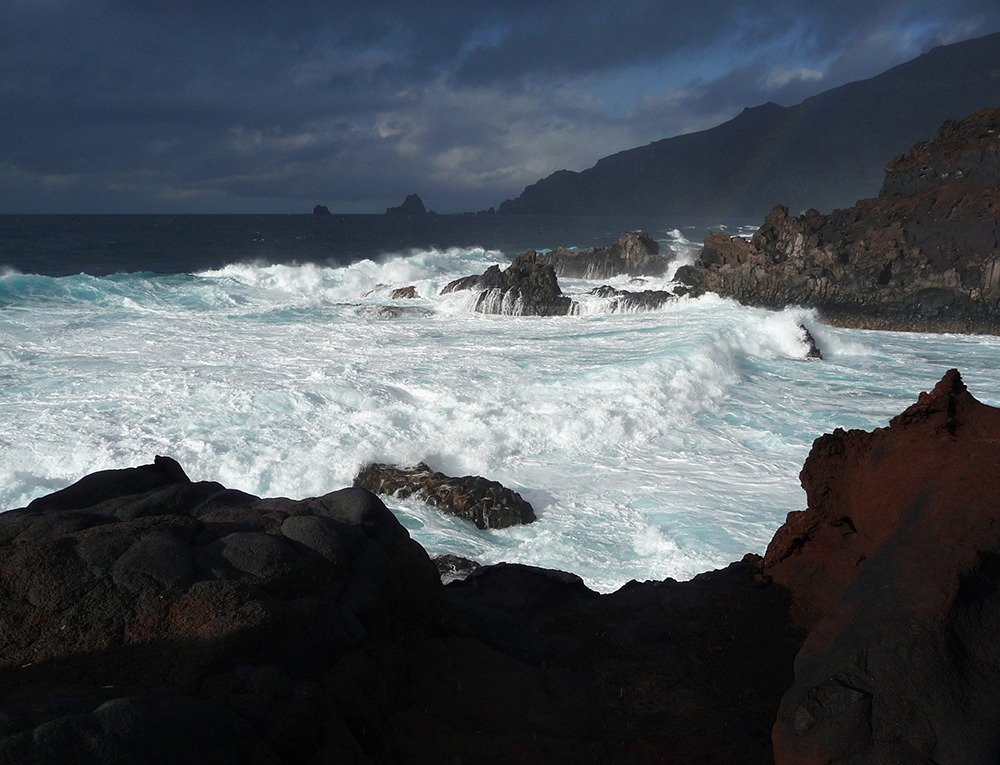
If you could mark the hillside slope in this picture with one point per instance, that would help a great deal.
(825, 152)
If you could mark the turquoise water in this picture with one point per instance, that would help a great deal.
(650, 444)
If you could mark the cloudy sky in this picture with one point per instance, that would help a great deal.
(269, 106)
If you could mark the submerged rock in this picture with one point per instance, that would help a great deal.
(525, 288)
(632, 254)
(488, 504)
(626, 301)
(404, 293)
(924, 255)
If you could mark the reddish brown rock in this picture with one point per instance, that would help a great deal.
(894, 569)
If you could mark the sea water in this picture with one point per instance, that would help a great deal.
(651, 444)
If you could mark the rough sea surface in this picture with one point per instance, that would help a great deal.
(650, 444)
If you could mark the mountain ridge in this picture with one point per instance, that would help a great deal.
(825, 152)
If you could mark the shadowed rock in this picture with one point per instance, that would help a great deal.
(488, 504)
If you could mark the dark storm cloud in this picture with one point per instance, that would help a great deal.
(256, 105)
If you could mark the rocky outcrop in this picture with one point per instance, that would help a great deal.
(321, 210)
(488, 504)
(929, 261)
(525, 288)
(412, 205)
(632, 254)
(893, 569)
(404, 293)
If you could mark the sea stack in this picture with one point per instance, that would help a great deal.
(412, 205)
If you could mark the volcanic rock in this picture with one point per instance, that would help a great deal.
(404, 293)
(894, 570)
(632, 254)
(929, 261)
(488, 504)
(525, 288)
(321, 210)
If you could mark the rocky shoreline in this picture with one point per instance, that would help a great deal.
(148, 618)
(922, 256)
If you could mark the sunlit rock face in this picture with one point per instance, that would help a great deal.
(924, 255)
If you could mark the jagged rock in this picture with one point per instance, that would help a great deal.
(488, 504)
(893, 568)
(525, 288)
(624, 300)
(632, 254)
(412, 205)
(926, 262)
(404, 293)
(321, 210)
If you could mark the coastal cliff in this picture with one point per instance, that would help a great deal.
(149, 618)
(924, 255)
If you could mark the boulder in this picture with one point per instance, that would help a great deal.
(488, 504)
(525, 288)
(404, 293)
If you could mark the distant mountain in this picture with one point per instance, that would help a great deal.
(825, 153)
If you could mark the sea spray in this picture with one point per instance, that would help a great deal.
(651, 444)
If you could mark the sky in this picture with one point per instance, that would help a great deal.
(263, 106)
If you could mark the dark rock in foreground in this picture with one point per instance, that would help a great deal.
(923, 256)
(632, 254)
(488, 504)
(525, 288)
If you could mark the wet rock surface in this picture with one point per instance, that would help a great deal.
(630, 302)
(525, 288)
(923, 256)
(486, 503)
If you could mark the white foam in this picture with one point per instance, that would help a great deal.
(651, 445)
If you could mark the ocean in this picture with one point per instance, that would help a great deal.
(267, 353)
